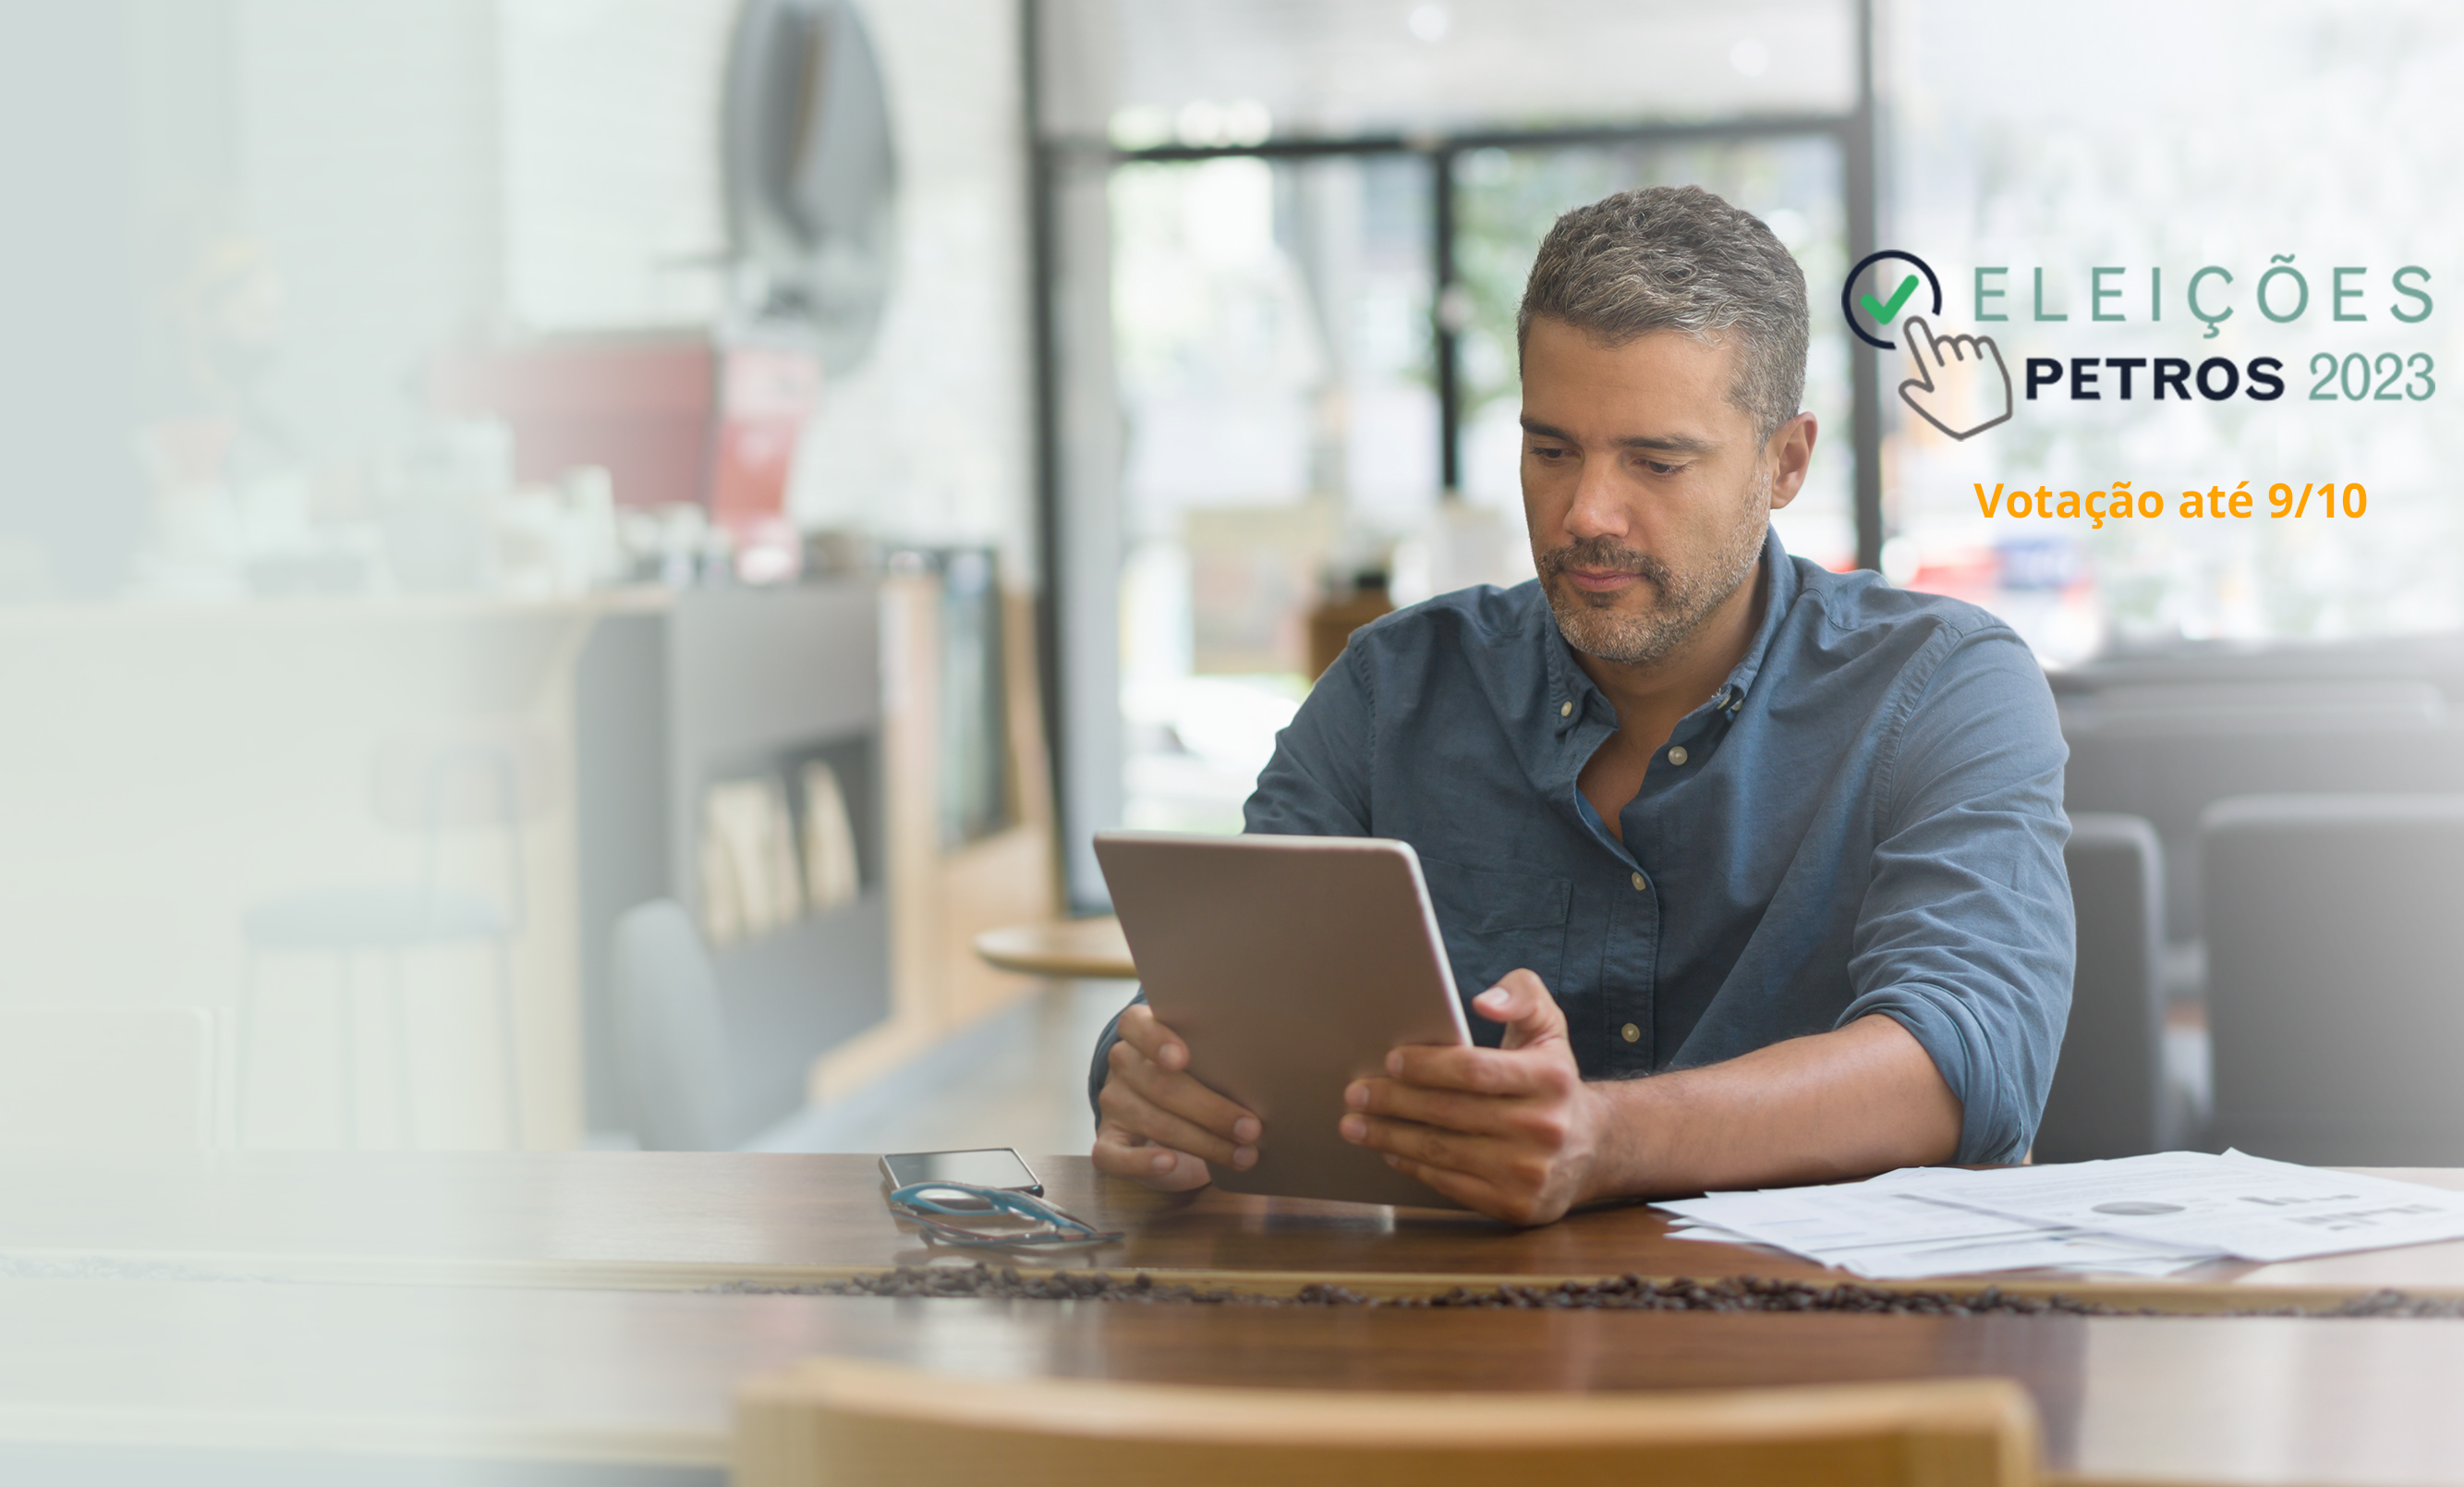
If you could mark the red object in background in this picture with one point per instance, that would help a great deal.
(672, 418)
(1972, 573)
(766, 394)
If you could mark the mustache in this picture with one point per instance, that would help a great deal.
(1604, 552)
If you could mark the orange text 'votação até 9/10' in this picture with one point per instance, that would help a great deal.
(2119, 503)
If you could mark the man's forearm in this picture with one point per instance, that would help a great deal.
(1864, 1099)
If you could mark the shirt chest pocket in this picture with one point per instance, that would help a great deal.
(1494, 922)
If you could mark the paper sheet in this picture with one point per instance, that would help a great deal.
(2065, 1250)
(1832, 1224)
(2239, 1205)
(2139, 1216)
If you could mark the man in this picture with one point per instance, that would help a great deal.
(1756, 868)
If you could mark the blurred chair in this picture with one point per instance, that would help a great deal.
(848, 1424)
(713, 1049)
(2336, 976)
(670, 1031)
(2110, 1097)
(491, 776)
(2165, 753)
(137, 1079)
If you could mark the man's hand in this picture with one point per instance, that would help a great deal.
(1513, 1131)
(1961, 385)
(1159, 1125)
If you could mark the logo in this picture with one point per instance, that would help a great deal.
(1961, 385)
(1881, 311)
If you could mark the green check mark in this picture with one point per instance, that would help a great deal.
(1882, 311)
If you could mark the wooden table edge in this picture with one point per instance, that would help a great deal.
(446, 1439)
(1058, 950)
(2168, 1297)
(1055, 968)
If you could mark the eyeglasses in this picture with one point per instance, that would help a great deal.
(1056, 1228)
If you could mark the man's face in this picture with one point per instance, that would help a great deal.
(1646, 490)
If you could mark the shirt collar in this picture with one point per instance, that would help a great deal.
(1568, 684)
(1782, 575)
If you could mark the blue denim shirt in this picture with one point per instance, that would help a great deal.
(1866, 817)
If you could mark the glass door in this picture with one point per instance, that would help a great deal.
(1280, 441)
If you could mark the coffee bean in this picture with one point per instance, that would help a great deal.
(1622, 1293)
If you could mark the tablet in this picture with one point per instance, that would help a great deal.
(1290, 966)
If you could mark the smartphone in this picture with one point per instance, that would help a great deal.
(993, 1166)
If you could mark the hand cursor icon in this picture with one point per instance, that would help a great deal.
(1961, 385)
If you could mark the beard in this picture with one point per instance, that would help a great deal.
(1679, 604)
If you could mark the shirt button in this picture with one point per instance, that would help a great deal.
(1639, 886)
(1565, 709)
(1631, 1033)
(1677, 755)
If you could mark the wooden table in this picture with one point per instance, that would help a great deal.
(1087, 948)
(378, 1374)
(680, 1220)
(567, 1337)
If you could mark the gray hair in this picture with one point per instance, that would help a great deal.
(1676, 257)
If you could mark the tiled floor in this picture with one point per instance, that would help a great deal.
(1016, 1079)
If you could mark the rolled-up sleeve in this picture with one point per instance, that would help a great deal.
(1965, 935)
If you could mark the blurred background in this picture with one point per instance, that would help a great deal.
(561, 560)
